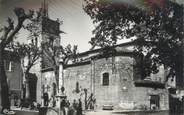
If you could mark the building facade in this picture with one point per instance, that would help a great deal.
(47, 69)
(110, 79)
(14, 74)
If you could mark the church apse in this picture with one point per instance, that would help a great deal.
(111, 79)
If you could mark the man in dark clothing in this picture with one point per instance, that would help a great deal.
(46, 99)
(79, 108)
(74, 107)
(68, 103)
(62, 106)
(63, 103)
(53, 102)
(15, 100)
(75, 104)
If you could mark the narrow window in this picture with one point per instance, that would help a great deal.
(9, 65)
(77, 87)
(105, 79)
(6, 65)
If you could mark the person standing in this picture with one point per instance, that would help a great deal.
(46, 99)
(62, 106)
(53, 102)
(68, 103)
(79, 108)
(71, 110)
(74, 107)
(15, 100)
(75, 104)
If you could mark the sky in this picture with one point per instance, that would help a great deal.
(76, 23)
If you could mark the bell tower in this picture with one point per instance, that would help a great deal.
(50, 42)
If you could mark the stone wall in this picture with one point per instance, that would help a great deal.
(48, 79)
(14, 78)
(121, 92)
(80, 74)
(142, 97)
(120, 74)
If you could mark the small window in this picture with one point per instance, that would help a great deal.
(105, 79)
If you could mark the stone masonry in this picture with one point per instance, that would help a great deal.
(121, 92)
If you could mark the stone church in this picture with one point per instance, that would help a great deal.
(106, 78)
(110, 78)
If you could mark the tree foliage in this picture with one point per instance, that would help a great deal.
(69, 53)
(158, 30)
(55, 53)
(30, 52)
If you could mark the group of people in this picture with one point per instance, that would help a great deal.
(71, 109)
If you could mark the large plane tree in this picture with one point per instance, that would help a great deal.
(157, 27)
(30, 52)
(7, 36)
(29, 55)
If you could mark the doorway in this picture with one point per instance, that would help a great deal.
(32, 86)
(154, 102)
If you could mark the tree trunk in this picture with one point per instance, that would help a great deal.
(27, 90)
(27, 96)
(179, 72)
(85, 99)
(23, 92)
(177, 105)
(56, 72)
(180, 85)
(5, 102)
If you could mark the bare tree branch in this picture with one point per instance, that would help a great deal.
(7, 30)
(22, 16)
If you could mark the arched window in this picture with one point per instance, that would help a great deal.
(77, 87)
(105, 79)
